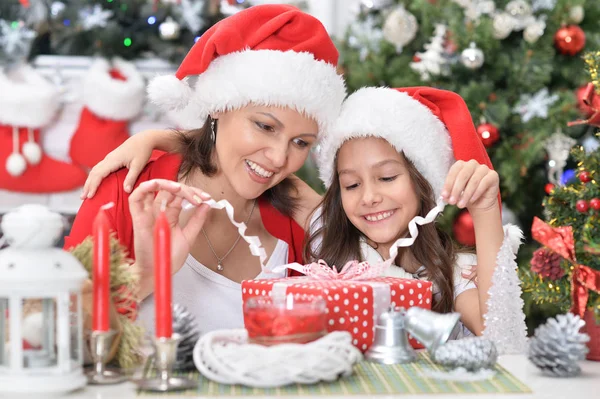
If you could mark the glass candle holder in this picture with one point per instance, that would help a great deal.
(288, 319)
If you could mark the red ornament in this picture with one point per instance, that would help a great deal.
(548, 188)
(488, 134)
(582, 206)
(416, 58)
(584, 176)
(463, 229)
(595, 203)
(569, 40)
(588, 103)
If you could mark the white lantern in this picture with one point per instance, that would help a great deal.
(34, 274)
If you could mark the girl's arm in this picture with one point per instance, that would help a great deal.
(475, 187)
(133, 154)
(467, 304)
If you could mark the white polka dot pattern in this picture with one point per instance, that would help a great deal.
(352, 305)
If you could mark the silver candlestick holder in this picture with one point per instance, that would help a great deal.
(101, 342)
(164, 358)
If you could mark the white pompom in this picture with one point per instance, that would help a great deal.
(15, 164)
(32, 329)
(514, 235)
(32, 152)
(169, 93)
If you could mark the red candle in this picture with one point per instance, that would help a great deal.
(162, 276)
(101, 271)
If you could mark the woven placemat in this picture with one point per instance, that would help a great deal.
(368, 379)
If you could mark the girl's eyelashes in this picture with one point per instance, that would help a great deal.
(352, 186)
(265, 127)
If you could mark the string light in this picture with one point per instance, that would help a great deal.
(14, 24)
(127, 42)
(151, 20)
(67, 22)
(196, 39)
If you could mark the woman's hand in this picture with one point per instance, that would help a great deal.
(471, 185)
(145, 204)
(133, 154)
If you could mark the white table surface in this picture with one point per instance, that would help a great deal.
(587, 385)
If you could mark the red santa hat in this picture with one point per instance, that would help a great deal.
(432, 127)
(268, 55)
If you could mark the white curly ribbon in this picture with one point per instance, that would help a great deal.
(226, 357)
(352, 270)
(459, 374)
(254, 243)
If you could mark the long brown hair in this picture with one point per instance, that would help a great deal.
(337, 240)
(197, 150)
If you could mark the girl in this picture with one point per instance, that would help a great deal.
(391, 155)
(255, 90)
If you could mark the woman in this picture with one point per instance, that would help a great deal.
(256, 90)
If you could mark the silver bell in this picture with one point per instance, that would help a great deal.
(390, 345)
(430, 328)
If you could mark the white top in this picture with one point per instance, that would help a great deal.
(214, 300)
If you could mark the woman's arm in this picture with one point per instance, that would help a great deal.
(133, 154)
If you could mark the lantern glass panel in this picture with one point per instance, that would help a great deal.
(74, 327)
(4, 329)
(39, 332)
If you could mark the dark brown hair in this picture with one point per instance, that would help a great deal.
(433, 248)
(197, 150)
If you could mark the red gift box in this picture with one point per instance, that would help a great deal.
(352, 305)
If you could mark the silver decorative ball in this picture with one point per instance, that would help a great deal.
(472, 57)
(576, 14)
(400, 27)
(503, 25)
(169, 29)
(534, 31)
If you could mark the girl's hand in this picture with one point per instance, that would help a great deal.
(133, 154)
(470, 274)
(145, 207)
(471, 185)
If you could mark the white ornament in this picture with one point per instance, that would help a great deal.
(505, 321)
(400, 28)
(15, 164)
(95, 17)
(32, 152)
(374, 5)
(16, 39)
(433, 61)
(191, 14)
(520, 10)
(533, 32)
(169, 29)
(365, 36)
(474, 9)
(503, 25)
(56, 8)
(472, 57)
(536, 105)
(558, 146)
(537, 5)
(576, 14)
(590, 143)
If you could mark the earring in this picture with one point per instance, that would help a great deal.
(213, 135)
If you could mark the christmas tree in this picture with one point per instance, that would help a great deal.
(572, 236)
(516, 63)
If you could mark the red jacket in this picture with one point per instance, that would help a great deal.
(166, 167)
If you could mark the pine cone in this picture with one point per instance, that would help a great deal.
(558, 345)
(184, 324)
(473, 353)
(546, 263)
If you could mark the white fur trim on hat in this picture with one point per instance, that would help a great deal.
(112, 98)
(396, 117)
(262, 77)
(27, 99)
